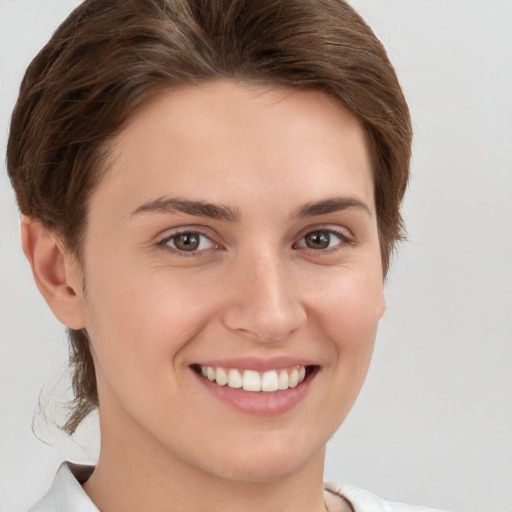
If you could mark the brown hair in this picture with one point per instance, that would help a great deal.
(110, 56)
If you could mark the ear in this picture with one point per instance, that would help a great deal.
(55, 271)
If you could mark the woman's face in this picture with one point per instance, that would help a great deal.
(235, 236)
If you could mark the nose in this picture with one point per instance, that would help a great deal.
(264, 299)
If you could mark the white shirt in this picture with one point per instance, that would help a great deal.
(66, 495)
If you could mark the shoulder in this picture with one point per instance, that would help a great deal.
(363, 500)
(66, 493)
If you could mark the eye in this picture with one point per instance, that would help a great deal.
(188, 241)
(324, 239)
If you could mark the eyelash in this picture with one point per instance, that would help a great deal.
(165, 241)
(344, 240)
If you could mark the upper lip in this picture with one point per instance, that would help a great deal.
(257, 364)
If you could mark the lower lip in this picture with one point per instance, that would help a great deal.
(259, 403)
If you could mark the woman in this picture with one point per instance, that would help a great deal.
(211, 197)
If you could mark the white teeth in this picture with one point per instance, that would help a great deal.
(269, 381)
(294, 378)
(234, 379)
(251, 380)
(221, 377)
(283, 380)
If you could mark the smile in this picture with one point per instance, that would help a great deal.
(250, 380)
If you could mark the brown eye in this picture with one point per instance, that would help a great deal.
(318, 240)
(324, 240)
(189, 241)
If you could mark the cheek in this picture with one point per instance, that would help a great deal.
(345, 316)
(140, 320)
(137, 337)
(348, 313)
(351, 304)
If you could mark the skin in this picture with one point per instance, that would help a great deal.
(254, 288)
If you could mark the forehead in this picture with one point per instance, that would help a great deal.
(223, 132)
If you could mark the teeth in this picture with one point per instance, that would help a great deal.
(221, 377)
(251, 380)
(284, 380)
(269, 381)
(294, 378)
(234, 379)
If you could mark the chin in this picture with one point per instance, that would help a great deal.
(276, 461)
(258, 472)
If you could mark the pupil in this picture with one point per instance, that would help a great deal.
(187, 242)
(318, 240)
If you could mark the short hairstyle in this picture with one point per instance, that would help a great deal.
(111, 56)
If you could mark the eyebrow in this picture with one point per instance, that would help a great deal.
(333, 204)
(198, 208)
(226, 213)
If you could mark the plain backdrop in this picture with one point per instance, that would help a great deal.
(433, 424)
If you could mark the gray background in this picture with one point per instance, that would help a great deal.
(433, 424)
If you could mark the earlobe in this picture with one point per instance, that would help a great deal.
(55, 272)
